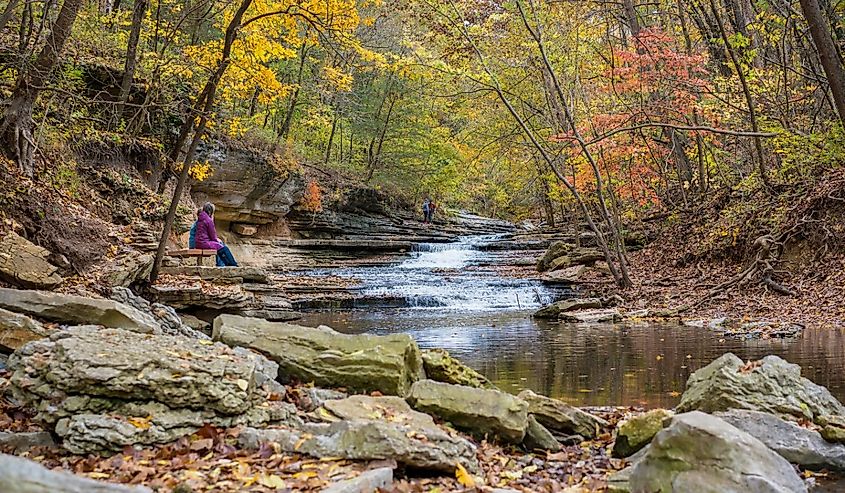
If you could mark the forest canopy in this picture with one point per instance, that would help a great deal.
(520, 109)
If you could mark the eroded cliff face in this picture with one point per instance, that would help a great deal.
(247, 186)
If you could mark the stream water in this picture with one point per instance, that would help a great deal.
(456, 300)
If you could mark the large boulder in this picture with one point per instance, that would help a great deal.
(702, 453)
(360, 363)
(637, 432)
(16, 330)
(103, 389)
(71, 309)
(794, 443)
(247, 186)
(481, 412)
(440, 366)
(367, 439)
(560, 417)
(555, 250)
(19, 475)
(556, 309)
(25, 264)
(770, 385)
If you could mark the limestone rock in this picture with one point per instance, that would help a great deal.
(311, 398)
(568, 275)
(134, 423)
(559, 416)
(555, 250)
(195, 323)
(480, 412)
(167, 318)
(769, 385)
(699, 452)
(635, 433)
(591, 316)
(360, 363)
(833, 428)
(19, 475)
(366, 482)
(361, 439)
(77, 310)
(116, 363)
(440, 366)
(387, 408)
(230, 297)
(794, 443)
(246, 186)
(555, 309)
(244, 229)
(218, 274)
(128, 269)
(26, 264)
(103, 389)
(582, 256)
(537, 437)
(25, 440)
(16, 330)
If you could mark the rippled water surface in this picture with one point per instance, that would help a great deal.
(485, 320)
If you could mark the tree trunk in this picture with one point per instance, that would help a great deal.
(16, 125)
(203, 109)
(131, 54)
(831, 62)
(8, 13)
(283, 133)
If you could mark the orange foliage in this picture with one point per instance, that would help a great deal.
(312, 201)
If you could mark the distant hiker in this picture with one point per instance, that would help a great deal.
(192, 237)
(206, 237)
(432, 208)
(426, 211)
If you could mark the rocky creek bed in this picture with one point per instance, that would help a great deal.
(131, 398)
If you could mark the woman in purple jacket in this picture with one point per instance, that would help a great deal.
(206, 237)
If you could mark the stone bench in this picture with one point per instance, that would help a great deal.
(192, 252)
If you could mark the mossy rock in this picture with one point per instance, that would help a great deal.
(441, 366)
(637, 432)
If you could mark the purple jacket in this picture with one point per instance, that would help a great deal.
(206, 237)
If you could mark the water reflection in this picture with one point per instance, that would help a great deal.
(641, 364)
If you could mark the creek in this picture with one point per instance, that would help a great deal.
(453, 296)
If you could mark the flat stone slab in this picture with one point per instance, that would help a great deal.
(69, 309)
(364, 439)
(25, 264)
(19, 475)
(16, 330)
(387, 408)
(360, 363)
(23, 441)
(366, 482)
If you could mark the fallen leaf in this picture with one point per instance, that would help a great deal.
(464, 477)
(242, 384)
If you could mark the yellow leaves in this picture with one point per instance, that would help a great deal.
(242, 384)
(271, 481)
(140, 423)
(340, 80)
(464, 477)
(200, 171)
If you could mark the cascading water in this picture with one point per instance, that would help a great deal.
(443, 275)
